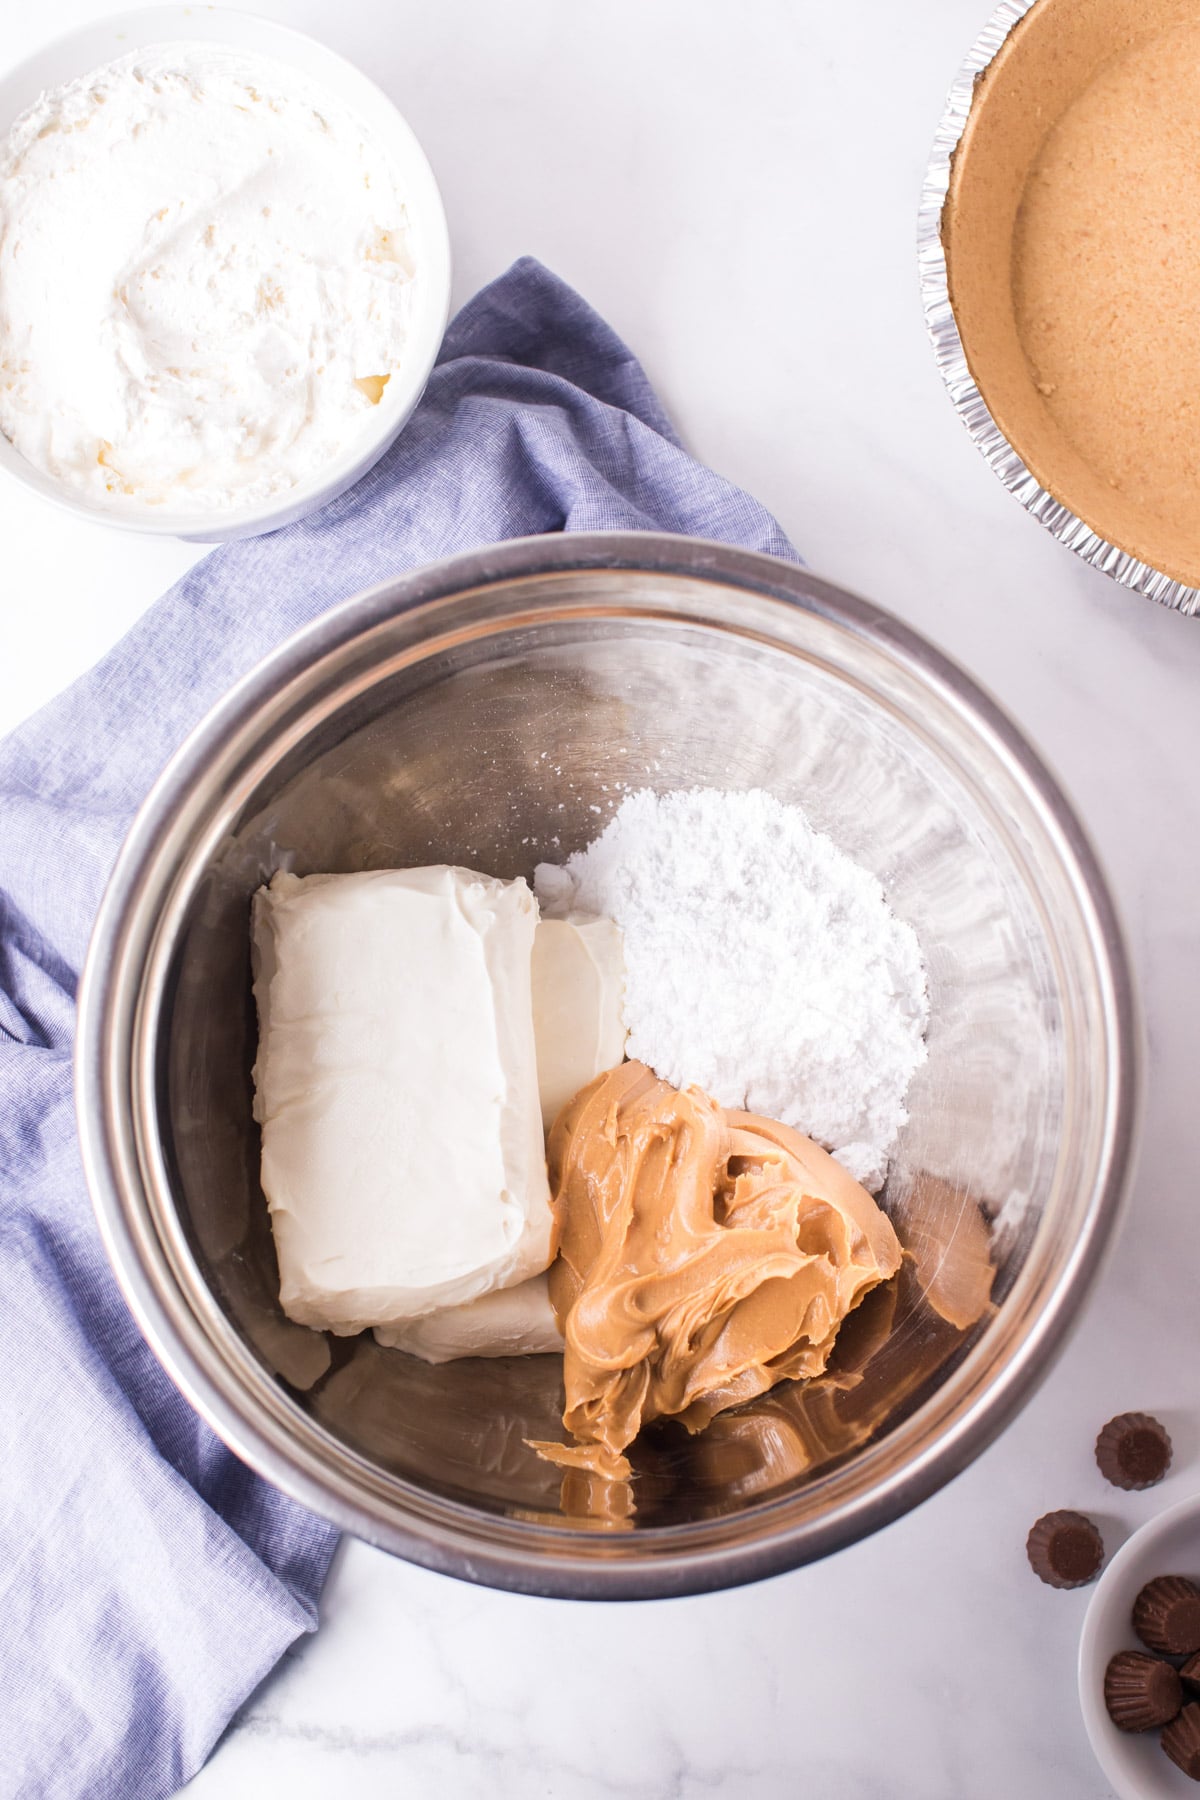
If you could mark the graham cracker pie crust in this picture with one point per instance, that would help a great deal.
(1072, 239)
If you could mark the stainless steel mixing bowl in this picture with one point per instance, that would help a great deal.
(490, 711)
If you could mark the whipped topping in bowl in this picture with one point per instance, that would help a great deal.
(206, 280)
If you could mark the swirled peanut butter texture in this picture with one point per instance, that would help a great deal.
(704, 1256)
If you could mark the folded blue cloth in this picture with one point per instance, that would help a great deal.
(149, 1579)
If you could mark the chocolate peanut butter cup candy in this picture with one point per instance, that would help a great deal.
(1190, 1671)
(1141, 1691)
(1181, 1740)
(1065, 1549)
(1166, 1615)
(1133, 1451)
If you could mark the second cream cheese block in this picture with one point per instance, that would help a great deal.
(514, 1321)
(578, 1015)
(579, 1029)
(397, 1090)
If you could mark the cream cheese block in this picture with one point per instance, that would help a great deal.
(578, 990)
(578, 996)
(397, 1090)
(513, 1321)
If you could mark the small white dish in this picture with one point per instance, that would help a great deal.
(1134, 1761)
(93, 45)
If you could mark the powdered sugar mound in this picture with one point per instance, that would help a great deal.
(761, 964)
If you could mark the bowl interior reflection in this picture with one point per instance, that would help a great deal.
(514, 749)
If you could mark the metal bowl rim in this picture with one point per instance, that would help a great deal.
(567, 1574)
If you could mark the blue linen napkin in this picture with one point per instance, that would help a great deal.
(149, 1580)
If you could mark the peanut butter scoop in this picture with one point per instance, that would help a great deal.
(704, 1256)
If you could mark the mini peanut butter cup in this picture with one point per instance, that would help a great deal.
(1141, 1691)
(1133, 1451)
(1181, 1740)
(1065, 1550)
(1190, 1671)
(1166, 1615)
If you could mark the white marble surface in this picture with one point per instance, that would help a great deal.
(735, 187)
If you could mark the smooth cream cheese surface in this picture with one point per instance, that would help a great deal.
(578, 973)
(513, 1321)
(205, 279)
(578, 998)
(396, 1086)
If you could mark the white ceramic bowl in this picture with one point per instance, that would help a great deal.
(93, 45)
(1134, 1761)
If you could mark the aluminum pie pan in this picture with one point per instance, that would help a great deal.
(969, 403)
